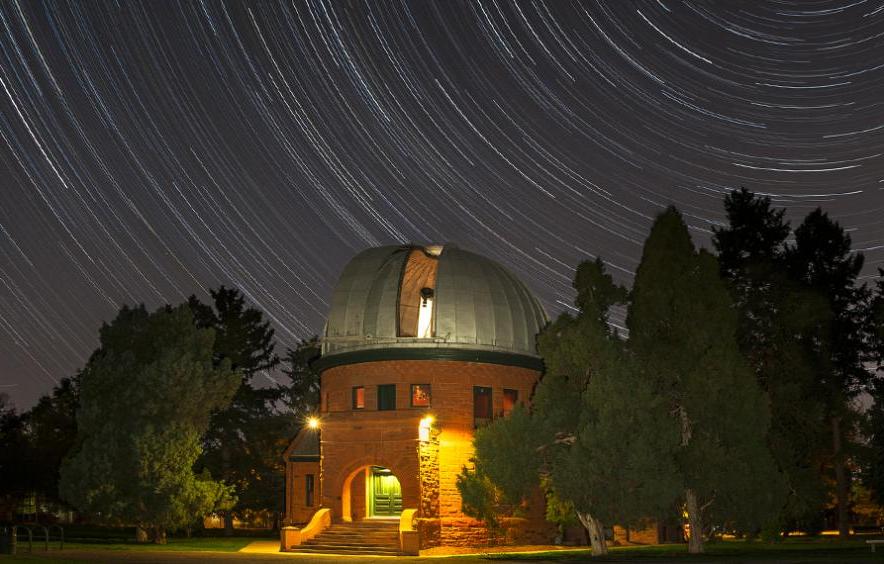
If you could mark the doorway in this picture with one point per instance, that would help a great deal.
(384, 493)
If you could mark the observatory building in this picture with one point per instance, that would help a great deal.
(423, 344)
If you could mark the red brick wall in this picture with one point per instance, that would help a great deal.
(354, 439)
(296, 511)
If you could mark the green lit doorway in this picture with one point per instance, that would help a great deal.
(385, 493)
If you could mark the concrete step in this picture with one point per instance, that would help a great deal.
(354, 545)
(335, 549)
(378, 538)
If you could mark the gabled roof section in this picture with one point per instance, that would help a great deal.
(304, 447)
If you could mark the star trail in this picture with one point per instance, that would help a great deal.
(151, 150)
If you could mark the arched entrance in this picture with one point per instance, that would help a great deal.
(371, 492)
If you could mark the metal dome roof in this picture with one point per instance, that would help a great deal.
(479, 307)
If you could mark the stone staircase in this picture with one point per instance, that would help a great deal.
(371, 536)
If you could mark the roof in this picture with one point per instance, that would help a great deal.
(304, 447)
(477, 305)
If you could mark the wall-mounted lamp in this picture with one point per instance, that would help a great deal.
(313, 422)
(424, 427)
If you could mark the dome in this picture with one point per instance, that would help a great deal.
(433, 302)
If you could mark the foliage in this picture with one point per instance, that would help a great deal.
(621, 444)
(777, 318)
(14, 475)
(683, 327)
(873, 470)
(302, 394)
(242, 337)
(52, 429)
(244, 440)
(481, 499)
(146, 396)
(822, 261)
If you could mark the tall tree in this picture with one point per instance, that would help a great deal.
(52, 432)
(301, 395)
(822, 260)
(776, 317)
(242, 443)
(683, 326)
(14, 456)
(146, 396)
(873, 471)
(593, 416)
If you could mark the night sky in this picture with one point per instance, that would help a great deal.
(153, 150)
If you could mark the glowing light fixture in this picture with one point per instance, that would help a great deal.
(424, 428)
(313, 422)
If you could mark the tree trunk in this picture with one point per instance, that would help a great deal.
(841, 485)
(228, 523)
(159, 535)
(695, 522)
(596, 533)
(140, 534)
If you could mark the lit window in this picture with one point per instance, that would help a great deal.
(481, 405)
(359, 397)
(308, 490)
(510, 399)
(386, 397)
(420, 395)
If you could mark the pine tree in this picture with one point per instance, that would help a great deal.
(776, 316)
(242, 443)
(683, 327)
(821, 259)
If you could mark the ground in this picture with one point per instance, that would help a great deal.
(799, 551)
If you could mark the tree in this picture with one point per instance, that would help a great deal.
(52, 431)
(243, 442)
(873, 472)
(146, 396)
(821, 259)
(593, 417)
(777, 318)
(14, 466)
(683, 328)
(302, 394)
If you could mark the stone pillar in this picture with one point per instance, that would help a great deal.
(428, 513)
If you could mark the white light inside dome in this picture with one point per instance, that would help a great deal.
(425, 319)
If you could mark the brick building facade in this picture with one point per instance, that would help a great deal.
(422, 345)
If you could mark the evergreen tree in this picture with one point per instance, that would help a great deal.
(242, 443)
(14, 452)
(302, 393)
(821, 259)
(52, 431)
(776, 316)
(873, 471)
(146, 396)
(683, 327)
(594, 417)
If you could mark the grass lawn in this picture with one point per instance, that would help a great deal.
(195, 544)
(789, 551)
(831, 550)
(218, 544)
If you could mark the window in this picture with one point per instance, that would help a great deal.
(481, 405)
(358, 397)
(510, 400)
(420, 395)
(386, 397)
(308, 490)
